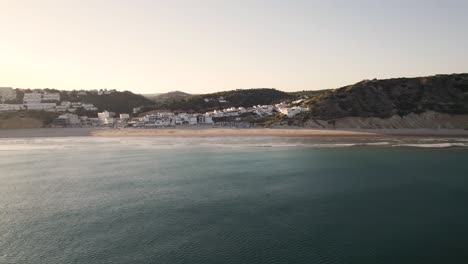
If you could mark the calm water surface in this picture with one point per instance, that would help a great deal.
(220, 200)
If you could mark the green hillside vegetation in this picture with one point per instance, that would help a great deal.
(18, 99)
(307, 94)
(234, 98)
(400, 96)
(150, 96)
(169, 97)
(26, 119)
(119, 102)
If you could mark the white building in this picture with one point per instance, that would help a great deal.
(124, 116)
(298, 101)
(105, 115)
(263, 110)
(144, 119)
(11, 107)
(178, 120)
(218, 113)
(163, 122)
(137, 110)
(32, 98)
(70, 119)
(61, 108)
(7, 93)
(51, 97)
(192, 120)
(109, 120)
(89, 107)
(292, 111)
(208, 120)
(160, 119)
(39, 106)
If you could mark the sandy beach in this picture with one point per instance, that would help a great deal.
(232, 132)
(294, 132)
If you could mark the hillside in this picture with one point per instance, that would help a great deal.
(168, 97)
(386, 98)
(119, 102)
(26, 119)
(114, 101)
(307, 93)
(236, 98)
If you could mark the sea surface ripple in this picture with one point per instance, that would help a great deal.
(233, 200)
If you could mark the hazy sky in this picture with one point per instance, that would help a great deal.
(198, 46)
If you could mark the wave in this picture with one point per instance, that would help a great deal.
(434, 145)
(44, 144)
(328, 145)
(24, 147)
(377, 144)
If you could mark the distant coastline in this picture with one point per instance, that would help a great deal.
(232, 132)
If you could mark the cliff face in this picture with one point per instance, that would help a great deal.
(429, 119)
(394, 97)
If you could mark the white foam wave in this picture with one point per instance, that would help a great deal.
(434, 145)
(82, 144)
(377, 144)
(28, 147)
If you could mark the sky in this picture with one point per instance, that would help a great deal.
(202, 46)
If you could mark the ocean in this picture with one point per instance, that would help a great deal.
(233, 200)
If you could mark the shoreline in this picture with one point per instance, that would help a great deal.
(233, 132)
(281, 132)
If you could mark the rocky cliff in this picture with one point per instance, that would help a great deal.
(394, 97)
(429, 119)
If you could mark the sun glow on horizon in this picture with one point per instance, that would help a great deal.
(208, 46)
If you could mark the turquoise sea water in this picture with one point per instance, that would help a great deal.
(232, 200)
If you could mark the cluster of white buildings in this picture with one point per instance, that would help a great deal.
(107, 118)
(104, 119)
(73, 120)
(220, 99)
(68, 120)
(72, 106)
(165, 119)
(171, 119)
(97, 92)
(291, 111)
(52, 102)
(40, 101)
(7, 93)
(259, 110)
(33, 101)
(105, 91)
(168, 119)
